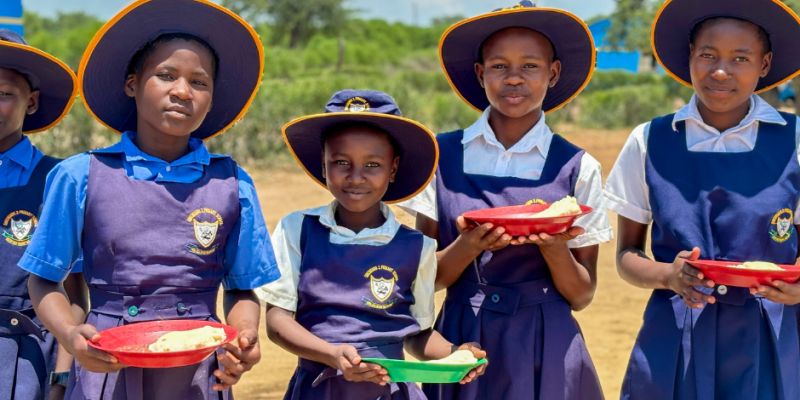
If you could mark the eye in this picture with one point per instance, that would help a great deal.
(530, 66)
(341, 162)
(373, 165)
(498, 66)
(706, 55)
(199, 82)
(5, 94)
(741, 59)
(164, 76)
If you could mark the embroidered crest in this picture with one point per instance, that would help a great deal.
(205, 232)
(782, 225)
(535, 201)
(20, 225)
(356, 104)
(381, 283)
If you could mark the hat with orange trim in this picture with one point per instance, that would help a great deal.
(460, 46)
(419, 152)
(677, 19)
(54, 80)
(104, 66)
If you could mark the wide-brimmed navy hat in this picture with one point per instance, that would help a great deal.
(676, 19)
(56, 83)
(460, 44)
(104, 66)
(419, 152)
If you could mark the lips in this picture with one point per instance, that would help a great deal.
(514, 97)
(356, 192)
(178, 110)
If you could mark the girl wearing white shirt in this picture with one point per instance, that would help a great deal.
(515, 65)
(718, 180)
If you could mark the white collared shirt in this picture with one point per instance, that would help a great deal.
(485, 155)
(626, 190)
(286, 243)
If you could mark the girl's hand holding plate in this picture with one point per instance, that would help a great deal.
(475, 348)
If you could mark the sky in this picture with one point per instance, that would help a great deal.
(390, 10)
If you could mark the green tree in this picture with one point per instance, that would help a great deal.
(294, 22)
(630, 25)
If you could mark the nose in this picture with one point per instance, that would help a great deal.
(514, 77)
(356, 175)
(720, 73)
(181, 90)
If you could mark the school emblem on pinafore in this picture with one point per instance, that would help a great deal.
(356, 104)
(782, 225)
(204, 232)
(381, 284)
(535, 201)
(20, 225)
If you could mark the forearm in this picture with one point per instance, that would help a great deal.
(52, 307)
(242, 310)
(76, 290)
(428, 345)
(575, 281)
(284, 331)
(452, 261)
(639, 270)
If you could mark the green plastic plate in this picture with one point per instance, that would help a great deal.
(423, 372)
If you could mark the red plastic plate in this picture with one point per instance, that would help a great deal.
(140, 335)
(514, 219)
(722, 273)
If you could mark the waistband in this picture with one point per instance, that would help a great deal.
(731, 295)
(389, 351)
(19, 323)
(503, 299)
(153, 307)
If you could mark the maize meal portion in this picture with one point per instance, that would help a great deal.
(759, 265)
(188, 340)
(566, 206)
(458, 357)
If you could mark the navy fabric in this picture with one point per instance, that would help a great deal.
(569, 35)
(55, 82)
(238, 75)
(418, 151)
(730, 205)
(506, 300)
(28, 351)
(673, 27)
(150, 253)
(358, 295)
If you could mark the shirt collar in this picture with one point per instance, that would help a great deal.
(760, 110)
(384, 233)
(22, 153)
(198, 153)
(539, 137)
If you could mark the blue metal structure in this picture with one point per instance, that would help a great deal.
(11, 15)
(608, 59)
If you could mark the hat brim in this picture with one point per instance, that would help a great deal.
(459, 46)
(104, 66)
(672, 27)
(419, 152)
(57, 84)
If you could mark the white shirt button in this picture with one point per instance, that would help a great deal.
(169, 168)
(722, 289)
(1, 162)
(14, 321)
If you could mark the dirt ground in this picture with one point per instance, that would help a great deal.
(610, 324)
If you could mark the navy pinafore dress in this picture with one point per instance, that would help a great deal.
(358, 295)
(734, 207)
(154, 251)
(28, 350)
(506, 300)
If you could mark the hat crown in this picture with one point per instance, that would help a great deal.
(7, 35)
(355, 101)
(521, 4)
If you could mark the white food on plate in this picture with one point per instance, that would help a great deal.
(188, 340)
(458, 357)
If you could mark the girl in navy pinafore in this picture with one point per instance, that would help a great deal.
(162, 223)
(47, 87)
(347, 293)
(718, 180)
(528, 61)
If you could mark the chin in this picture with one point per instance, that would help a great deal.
(178, 130)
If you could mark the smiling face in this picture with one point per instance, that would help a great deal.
(727, 59)
(516, 69)
(174, 88)
(16, 101)
(358, 165)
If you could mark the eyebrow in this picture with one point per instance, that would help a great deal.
(341, 154)
(195, 72)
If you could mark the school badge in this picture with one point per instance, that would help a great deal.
(356, 104)
(381, 283)
(205, 232)
(535, 201)
(20, 225)
(782, 225)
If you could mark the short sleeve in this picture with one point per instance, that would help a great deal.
(589, 192)
(424, 202)
(249, 259)
(56, 245)
(286, 244)
(424, 286)
(626, 190)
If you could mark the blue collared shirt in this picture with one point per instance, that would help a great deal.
(18, 163)
(56, 246)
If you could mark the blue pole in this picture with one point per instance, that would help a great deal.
(11, 15)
